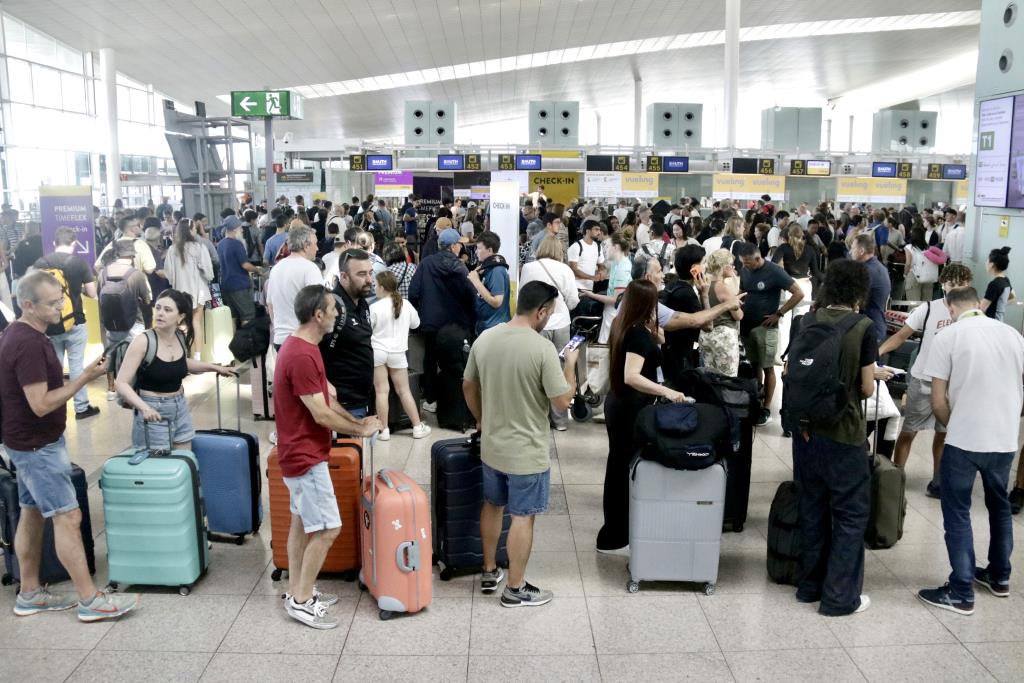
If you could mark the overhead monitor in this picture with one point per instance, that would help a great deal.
(528, 162)
(883, 169)
(954, 171)
(451, 162)
(675, 164)
(380, 162)
(742, 165)
(819, 167)
(599, 162)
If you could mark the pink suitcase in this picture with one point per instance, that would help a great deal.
(396, 539)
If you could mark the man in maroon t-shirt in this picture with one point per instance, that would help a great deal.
(307, 411)
(34, 399)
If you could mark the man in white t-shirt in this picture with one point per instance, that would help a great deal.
(585, 257)
(925, 320)
(976, 365)
(643, 229)
(287, 277)
(621, 212)
(775, 234)
(953, 236)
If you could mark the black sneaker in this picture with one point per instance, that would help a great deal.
(933, 490)
(87, 413)
(943, 599)
(764, 417)
(1000, 589)
(1016, 500)
(527, 596)
(489, 580)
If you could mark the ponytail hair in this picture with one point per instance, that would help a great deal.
(386, 280)
(1000, 258)
(183, 302)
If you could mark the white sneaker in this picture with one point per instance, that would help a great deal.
(273, 437)
(429, 407)
(865, 602)
(385, 435)
(311, 613)
(421, 430)
(111, 395)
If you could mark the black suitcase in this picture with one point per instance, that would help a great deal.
(739, 395)
(452, 354)
(784, 535)
(456, 492)
(50, 568)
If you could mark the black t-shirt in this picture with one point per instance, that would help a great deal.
(639, 340)
(28, 251)
(763, 287)
(681, 296)
(347, 353)
(994, 293)
(77, 273)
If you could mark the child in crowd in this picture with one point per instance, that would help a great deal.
(392, 318)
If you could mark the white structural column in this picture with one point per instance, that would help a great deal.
(108, 112)
(732, 69)
(638, 106)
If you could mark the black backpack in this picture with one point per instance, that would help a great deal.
(784, 539)
(695, 446)
(119, 307)
(813, 389)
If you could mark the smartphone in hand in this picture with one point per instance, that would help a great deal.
(573, 344)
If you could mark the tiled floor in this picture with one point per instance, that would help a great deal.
(233, 626)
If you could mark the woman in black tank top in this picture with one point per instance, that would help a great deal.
(154, 390)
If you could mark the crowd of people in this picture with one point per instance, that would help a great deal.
(674, 288)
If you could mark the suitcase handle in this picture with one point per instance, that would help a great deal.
(238, 401)
(407, 556)
(385, 476)
(142, 454)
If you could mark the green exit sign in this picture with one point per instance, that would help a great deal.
(262, 103)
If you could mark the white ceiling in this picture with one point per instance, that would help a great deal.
(202, 49)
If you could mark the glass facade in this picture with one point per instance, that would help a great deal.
(52, 134)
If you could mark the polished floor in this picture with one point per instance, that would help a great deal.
(233, 627)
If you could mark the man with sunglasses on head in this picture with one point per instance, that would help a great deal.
(289, 276)
(346, 350)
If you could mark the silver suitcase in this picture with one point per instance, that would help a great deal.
(675, 524)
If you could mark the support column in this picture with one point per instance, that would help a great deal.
(108, 87)
(638, 106)
(268, 134)
(732, 69)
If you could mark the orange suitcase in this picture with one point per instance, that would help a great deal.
(345, 466)
(397, 545)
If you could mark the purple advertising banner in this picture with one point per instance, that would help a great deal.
(68, 206)
(393, 178)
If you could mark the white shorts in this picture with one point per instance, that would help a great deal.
(312, 499)
(392, 360)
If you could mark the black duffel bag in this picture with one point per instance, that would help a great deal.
(682, 436)
(251, 340)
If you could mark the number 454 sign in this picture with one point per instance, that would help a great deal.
(263, 103)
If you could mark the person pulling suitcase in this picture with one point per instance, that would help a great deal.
(33, 397)
(308, 411)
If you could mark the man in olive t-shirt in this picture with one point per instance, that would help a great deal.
(512, 379)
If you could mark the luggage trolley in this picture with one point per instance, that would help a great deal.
(588, 324)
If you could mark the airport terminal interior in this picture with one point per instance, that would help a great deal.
(360, 122)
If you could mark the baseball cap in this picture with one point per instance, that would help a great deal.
(232, 222)
(447, 238)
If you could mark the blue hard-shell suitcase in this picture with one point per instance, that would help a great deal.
(229, 474)
(457, 494)
(155, 523)
(50, 568)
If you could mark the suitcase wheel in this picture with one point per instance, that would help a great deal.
(633, 586)
(350, 575)
(7, 580)
(184, 590)
(709, 589)
(276, 574)
(446, 574)
(362, 587)
(240, 539)
(581, 410)
(385, 614)
(594, 400)
(111, 587)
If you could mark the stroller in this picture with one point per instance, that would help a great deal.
(586, 322)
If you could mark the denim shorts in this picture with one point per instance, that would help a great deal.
(312, 499)
(44, 479)
(174, 411)
(524, 494)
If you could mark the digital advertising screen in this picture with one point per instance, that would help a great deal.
(1015, 189)
(675, 164)
(451, 162)
(954, 172)
(992, 163)
(379, 162)
(818, 167)
(883, 169)
(528, 162)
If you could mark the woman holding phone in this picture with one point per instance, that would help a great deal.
(635, 358)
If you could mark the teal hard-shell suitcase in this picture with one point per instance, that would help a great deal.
(155, 524)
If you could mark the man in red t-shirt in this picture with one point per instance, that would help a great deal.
(307, 411)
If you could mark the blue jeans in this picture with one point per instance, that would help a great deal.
(959, 468)
(74, 343)
(835, 501)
